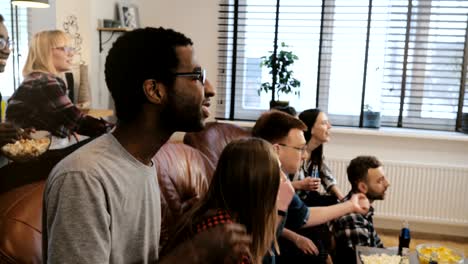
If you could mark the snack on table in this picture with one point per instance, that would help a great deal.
(380, 259)
(445, 255)
(26, 149)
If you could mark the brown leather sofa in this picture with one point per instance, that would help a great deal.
(184, 174)
(212, 140)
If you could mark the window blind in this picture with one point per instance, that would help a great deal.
(404, 59)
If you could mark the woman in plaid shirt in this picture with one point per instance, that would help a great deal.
(243, 190)
(42, 101)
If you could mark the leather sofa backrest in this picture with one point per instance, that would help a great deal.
(21, 224)
(184, 174)
(212, 140)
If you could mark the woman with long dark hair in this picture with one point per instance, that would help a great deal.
(243, 190)
(317, 134)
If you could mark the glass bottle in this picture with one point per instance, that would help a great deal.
(404, 240)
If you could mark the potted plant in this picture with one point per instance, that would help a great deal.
(282, 79)
(370, 118)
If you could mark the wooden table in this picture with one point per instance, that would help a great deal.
(98, 113)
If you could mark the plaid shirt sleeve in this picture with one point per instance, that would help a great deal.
(41, 102)
(61, 106)
(350, 230)
(355, 230)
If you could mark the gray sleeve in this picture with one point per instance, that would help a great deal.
(327, 178)
(77, 220)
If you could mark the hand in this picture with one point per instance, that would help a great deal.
(285, 194)
(8, 133)
(222, 244)
(310, 184)
(306, 245)
(360, 203)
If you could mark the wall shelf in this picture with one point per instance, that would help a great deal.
(111, 30)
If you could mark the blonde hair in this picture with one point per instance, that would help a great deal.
(40, 51)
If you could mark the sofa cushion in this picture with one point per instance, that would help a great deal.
(21, 224)
(212, 140)
(184, 174)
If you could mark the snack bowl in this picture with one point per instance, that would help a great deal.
(31, 147)
(444, 254)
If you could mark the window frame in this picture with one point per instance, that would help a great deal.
(227, 110)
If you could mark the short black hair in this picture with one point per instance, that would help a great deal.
(1, 19)
(358, 167)
(138, 55)
(273, 126)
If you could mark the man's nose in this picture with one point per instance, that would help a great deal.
(210, 91)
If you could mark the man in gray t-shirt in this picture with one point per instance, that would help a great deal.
(102, 203)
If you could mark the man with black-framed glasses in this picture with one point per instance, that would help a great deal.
(8, 133)
(4, 45)
(102, 202)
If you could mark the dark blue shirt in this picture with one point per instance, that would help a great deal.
(298, 213)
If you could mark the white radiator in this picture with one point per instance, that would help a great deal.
(418, 192)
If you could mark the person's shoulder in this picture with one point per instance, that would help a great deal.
(84, 158)
(39, 79)
(350, 219)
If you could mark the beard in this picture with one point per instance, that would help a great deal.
(372, 195)
(183, 114)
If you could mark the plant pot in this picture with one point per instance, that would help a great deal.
(464, 123)
(278, 103)
(371, 119)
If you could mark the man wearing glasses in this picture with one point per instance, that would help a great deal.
(285, 132)
(102, 203)
(8, 133)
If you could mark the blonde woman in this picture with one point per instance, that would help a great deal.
(243, 190)
(41, 101)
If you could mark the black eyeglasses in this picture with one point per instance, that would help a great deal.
(300, 149)
(196, 75)
(4, 43)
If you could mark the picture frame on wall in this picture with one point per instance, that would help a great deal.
(128, 15)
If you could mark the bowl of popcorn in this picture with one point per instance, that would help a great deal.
(382, 259)
(27, 148)
(439, 253)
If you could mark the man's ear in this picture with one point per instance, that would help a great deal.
(154, 91)
(276, 148)
(362, 187)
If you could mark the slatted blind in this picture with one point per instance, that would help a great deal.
(16, 22)
(240, 51)
(402, 58)
(424, 63)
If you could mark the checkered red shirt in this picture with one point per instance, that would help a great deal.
(221, 217)
(41, 102)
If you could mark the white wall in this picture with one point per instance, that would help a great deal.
(42, 18)
(196, 19)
